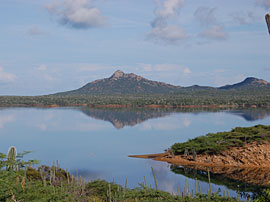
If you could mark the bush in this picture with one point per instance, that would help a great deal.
(218, 142)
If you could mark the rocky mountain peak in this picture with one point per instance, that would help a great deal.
(117, 74)
(253, 80)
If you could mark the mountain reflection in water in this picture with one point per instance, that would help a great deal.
(121, 117)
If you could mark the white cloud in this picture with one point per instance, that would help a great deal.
(214, 32)
(244, 18)
(213, 29)
(161, 30)
(206, 16)
(169, 33)
(165, 67)
(6, 119)
(168, 8)
(264, 3)
(5, 76)
(77, 13)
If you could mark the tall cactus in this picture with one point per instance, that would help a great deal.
(267, 18)
(11, 158)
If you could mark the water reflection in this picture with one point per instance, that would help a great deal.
(4, 119)
(243, 180)
(251, 114)
(87, 139)
(121, 117)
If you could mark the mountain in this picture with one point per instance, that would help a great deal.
(121, 83)
(249, 82)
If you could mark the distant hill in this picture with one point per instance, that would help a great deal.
(249, 82)
(121, 83)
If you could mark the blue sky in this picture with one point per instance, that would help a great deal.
(48, 46)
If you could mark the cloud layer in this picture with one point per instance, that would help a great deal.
(212, 28)
(244, 18)
(161, 29)
(80, 14)
(165, 67)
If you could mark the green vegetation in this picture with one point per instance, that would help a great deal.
(136, 91)
(264, 197)
(22, 182)
(214, 143)
(228, 98)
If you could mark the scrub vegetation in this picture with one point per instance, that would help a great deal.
(20, 181)
(177, 100)
(214, 143)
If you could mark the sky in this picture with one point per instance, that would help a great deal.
(49, 46)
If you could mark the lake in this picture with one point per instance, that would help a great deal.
(97, 142)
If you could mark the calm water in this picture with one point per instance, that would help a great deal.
(97, 142)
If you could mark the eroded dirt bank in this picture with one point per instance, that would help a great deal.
(250, 155)
(250, 163)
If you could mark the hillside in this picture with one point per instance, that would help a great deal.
(131, 90)
(249, 82)
(122, 83)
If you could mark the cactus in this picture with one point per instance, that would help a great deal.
(11, 158)
(155, 178)
(194, 154)
(186, 153)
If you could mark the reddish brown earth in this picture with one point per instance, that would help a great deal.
(250, 163)
(143, 106)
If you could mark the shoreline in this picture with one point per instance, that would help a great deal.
(152, 106)
(250, 163)
(251, 155)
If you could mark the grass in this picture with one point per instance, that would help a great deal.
(214, 143)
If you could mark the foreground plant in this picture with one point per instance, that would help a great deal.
(19, 181)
